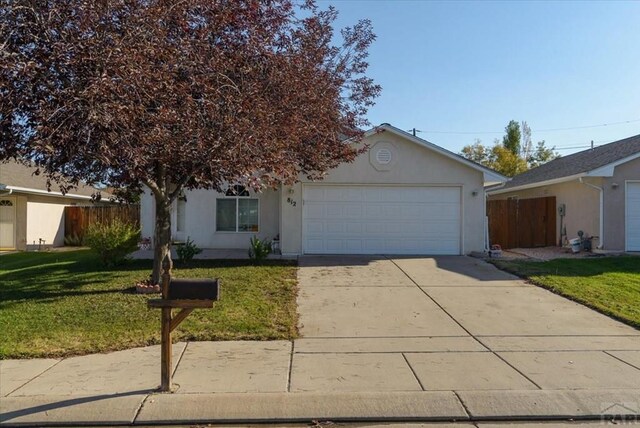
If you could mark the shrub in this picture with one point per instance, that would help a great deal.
(260, 249)
(112, 241)
(187, 251)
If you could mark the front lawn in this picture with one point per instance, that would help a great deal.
(66, 303)
(610, 285)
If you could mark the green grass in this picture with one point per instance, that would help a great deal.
(66, 303)
(610, 285)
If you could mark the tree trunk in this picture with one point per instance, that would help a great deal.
(162, 236)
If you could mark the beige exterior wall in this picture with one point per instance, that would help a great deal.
(41, 216)
(582, 205)
(614, 203)
(45, 221)
(412, 165)
(200, 219)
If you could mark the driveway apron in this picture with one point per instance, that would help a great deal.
(449, 323)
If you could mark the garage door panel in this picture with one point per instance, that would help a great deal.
(335, 227)
(315, 210)
(381, 219)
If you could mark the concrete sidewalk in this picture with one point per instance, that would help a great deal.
(426, 339)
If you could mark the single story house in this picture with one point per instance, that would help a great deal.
(404, 195)
(30, 215)
(598, 191)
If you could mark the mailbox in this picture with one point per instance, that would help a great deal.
(194, 289)
(183, 294)
(188, 293)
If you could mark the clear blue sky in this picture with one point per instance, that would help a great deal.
(473, 66)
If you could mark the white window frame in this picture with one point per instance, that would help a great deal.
(237, 198)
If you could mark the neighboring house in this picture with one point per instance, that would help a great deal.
(599, 188)
(30, 215)
(403, 196)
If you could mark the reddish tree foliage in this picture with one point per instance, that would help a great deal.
(179, 94)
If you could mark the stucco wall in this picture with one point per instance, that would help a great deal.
(45, 221)
(582, 205)
(614, 203)
(200, 219)
(45, 218)
(411, 164)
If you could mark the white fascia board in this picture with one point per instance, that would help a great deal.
(608, 170)
(490, 176)
(536, 184)
(491, 179)
(47, 193)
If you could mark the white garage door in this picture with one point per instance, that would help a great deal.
(381, 220)
(633, 217)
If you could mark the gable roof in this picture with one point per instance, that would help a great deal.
(21, 178)
(490, 176)
(597, 162)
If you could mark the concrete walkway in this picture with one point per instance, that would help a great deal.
(406, 339)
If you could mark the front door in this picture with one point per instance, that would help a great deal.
(7, 224)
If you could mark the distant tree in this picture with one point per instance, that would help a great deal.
(541, 155)
(180, 94)
(505, 161)
(526, 142)
(511, 140)
(513, 154)
(477, 152)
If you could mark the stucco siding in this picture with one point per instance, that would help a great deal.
(45, 221)
(614, 203)
(200, 219)
(410, 165)
(582, 205)
(45, 218)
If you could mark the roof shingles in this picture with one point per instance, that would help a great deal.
(17, 175)
(578, 163)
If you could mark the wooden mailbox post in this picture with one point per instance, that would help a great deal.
(183, 294)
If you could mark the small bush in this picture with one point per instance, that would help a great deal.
(260, 249)
(74, 240)
(187, 251)
(112, 241)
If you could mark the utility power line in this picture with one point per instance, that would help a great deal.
(533, 130)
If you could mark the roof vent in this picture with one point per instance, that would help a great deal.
(383, 156)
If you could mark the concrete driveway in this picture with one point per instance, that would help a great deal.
(449, 323)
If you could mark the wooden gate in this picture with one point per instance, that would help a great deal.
(522, 223)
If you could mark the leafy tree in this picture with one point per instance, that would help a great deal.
(514, 154)
(512, 137)
(505, 161)
(173, 95)
(477, 152)
(541, 155)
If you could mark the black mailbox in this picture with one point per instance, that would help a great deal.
(194, 289)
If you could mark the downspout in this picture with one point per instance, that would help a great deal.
(601, 225)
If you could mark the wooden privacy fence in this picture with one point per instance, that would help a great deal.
(77, 219)
(522, 223)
